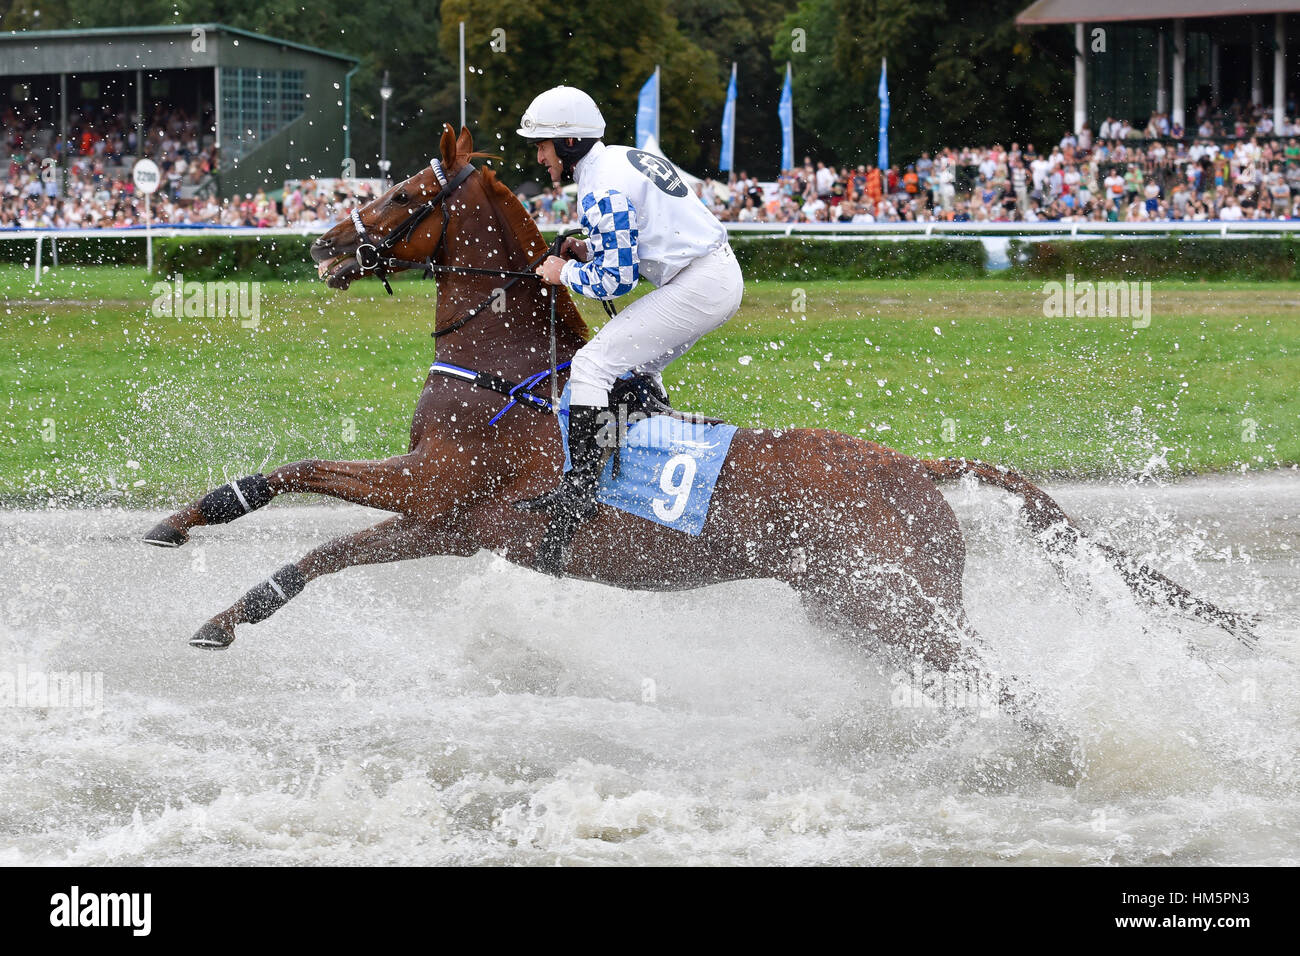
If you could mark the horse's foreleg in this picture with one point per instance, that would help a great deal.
(226, 503)
(396, 539)
(395, 484)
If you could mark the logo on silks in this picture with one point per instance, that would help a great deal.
(658, 170)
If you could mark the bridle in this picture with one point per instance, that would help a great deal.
(371, 255)
(371, 258)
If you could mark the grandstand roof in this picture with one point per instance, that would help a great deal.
(109, 49)
(1112, 11)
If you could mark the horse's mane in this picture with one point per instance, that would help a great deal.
(525, 230)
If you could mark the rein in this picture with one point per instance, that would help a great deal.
(371, 258)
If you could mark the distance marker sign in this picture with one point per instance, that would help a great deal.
(146, 176)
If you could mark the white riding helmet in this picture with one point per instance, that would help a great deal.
(562, 113)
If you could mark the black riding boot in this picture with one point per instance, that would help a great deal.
(575, 496)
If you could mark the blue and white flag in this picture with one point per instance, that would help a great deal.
(882, 159)
(647, 112)
(725, 161)
(786, 112)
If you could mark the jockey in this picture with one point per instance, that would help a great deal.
(643, 221)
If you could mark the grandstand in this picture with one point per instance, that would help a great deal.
(1165, 56)
(227, 112)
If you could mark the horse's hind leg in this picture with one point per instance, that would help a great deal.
(396, 539)
(394, 484)
(889, 606)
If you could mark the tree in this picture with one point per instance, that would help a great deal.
(515, 51)
(739, 31)
(959, 74)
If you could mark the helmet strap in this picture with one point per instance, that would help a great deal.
(570, 154)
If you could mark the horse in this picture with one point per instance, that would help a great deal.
(861, 532)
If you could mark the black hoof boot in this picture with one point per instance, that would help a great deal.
(164, 535)
(213, 637)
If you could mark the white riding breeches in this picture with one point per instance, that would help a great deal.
(659, 327)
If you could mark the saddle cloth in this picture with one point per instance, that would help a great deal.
(668, 468)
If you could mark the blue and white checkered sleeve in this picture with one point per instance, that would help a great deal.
(614, 267)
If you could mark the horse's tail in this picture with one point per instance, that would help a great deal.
(1062, 537)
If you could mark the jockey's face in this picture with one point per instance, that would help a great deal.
(546, 157)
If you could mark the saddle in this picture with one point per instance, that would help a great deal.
(640, 393)
(634, 394)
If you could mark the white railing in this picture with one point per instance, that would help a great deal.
(1218, 227)
(140, 232)
(994, 235)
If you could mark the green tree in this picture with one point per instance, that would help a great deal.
(959, 74)
(740, 32)
(607, 49)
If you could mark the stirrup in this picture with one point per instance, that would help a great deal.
(562, 501)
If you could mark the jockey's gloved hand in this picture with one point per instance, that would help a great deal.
(572, 248)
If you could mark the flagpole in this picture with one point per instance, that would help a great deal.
(462, 74)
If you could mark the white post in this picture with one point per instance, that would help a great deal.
(1162, 93)
(1080, 80)
(1256, 66)
(139, 108)
(37, 279)
(462, 74)
(216, 107)
(148, 236)
(1180, 64)
(1279, 71)
(1214, 71)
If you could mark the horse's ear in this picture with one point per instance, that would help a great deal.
(464, 142)
(448, 146)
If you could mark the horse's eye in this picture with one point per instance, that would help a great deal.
(402, 198)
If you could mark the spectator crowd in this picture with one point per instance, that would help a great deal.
(1235, 165)
(91, 186)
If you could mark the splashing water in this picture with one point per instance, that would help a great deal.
(453, 710)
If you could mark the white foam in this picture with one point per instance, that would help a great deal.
(452, 710)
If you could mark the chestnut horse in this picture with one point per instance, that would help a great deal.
(859, 531)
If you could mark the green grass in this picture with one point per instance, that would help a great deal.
(103, 399)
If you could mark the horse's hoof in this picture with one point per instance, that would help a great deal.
(164, 535)
(213, 637)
